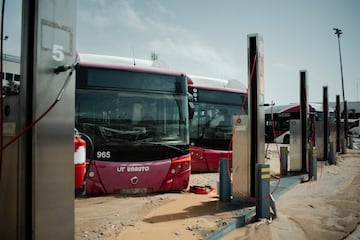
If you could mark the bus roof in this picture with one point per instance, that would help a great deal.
(319, 107)
(316, 107)
(283, 108)
(115, 62)
(217, 83)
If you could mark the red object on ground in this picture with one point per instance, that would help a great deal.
(79, 161)
(202, 189)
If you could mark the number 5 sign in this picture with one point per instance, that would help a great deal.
(57, 39)
(58, 53)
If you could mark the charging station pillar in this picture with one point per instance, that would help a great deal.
(304, 121)
(326, 123)
(256, 104)
(249, 137)
(45, 160)
(346, 125)
(338, 120)
(241, 159)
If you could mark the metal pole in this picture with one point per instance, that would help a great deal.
(284, 160)
(224, 185)
(338, 32)
(346, 124)
(337, 123)
(326, 123)
(256, 102)
(303, 121)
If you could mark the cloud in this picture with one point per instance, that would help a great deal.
(109, 15)
(182, 49)
(197, 57)
(129, 16)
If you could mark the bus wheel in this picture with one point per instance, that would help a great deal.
(79, 192)
(286, 139)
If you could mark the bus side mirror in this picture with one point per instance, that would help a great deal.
(191, 109)
(191, 106)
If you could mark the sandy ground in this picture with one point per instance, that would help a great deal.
(120, 217)
(328, 208)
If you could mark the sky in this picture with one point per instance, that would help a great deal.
(209, 38)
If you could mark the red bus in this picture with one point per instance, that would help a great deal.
(217, 103)
(135, 122)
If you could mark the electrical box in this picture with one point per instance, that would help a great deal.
(241, 167)
(319, 139)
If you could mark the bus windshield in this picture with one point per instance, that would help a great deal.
(215, 111)
(132, 116)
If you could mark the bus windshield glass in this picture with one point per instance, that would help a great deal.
(215, 112)
(132, 116)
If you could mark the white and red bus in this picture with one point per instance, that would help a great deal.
(277, 120)
(135, 120)
(217, 103)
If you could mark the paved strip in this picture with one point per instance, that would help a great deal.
(285, 184)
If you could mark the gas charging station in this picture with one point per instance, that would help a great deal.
(299, 130)
(251, 177)
(37, 170)
(249, 137)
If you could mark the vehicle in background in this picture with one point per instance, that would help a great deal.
(354, 127)
(217, 104)
(277, 120)
(134, 118)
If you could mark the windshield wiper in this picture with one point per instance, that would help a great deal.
(163, 145)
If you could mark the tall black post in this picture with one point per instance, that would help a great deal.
(346, 124)
(256, 103)
(326, 122)
(337, 112)
(338, 32)
(303, 120)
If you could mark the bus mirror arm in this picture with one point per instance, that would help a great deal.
(191, 106)
(191, 109)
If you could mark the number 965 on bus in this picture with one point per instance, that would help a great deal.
(103, 154)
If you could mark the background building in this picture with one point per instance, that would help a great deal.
(11, 74)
